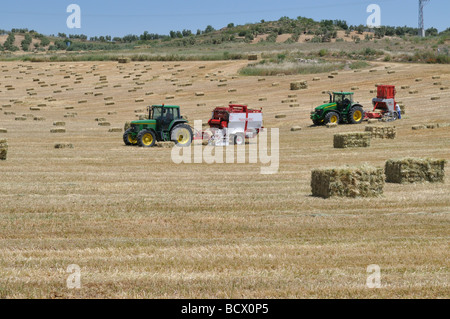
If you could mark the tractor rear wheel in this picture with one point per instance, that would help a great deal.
(182, 135)
(146, 138)
(128, 138)
(331, 117)
(356, 115)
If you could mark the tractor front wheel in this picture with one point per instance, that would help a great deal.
(356, 115)
(182, 135)
(331, 117)
(128, 138)
(146, 138)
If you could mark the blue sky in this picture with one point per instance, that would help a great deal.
(118, 18)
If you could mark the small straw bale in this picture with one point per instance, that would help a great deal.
(59, 123)
(3, 130)
(331, 125)
(39, 118)
(364, 181)
(389, 132)
(58, 130)
(3, 149)
(280, 116)
(104, 124)
(296, 128)
(165, 144)
(418, 127)
(352, 139)
(63, 145)
(415, 170)
(252, 57)
(115, 130)
(299, 85)
(126, 126)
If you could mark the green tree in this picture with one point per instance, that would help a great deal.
(209, 29)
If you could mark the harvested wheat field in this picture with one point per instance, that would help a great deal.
(140, 226)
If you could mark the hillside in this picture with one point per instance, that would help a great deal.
(235, 42)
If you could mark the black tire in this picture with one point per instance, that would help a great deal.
(127, 138)
(146, 138)
(317, 122)
(239, 139)
(356, 115)
(330, 118)
(395, 116)
(182, 135)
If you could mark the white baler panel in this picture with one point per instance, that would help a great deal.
(389, 103)
(237, 121)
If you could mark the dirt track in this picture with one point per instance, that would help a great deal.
(140, 226)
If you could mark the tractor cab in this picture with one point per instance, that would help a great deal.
(342, 99)
(163, 113)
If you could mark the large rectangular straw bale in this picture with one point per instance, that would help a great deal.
(364, 181)
(415, 170)
(389, 132)
(353, 139)
(3, 149)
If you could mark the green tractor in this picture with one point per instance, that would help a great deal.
(164, 124)
(340, 109)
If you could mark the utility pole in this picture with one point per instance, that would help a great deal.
(421, 23)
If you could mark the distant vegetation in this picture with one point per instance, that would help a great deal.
(432, 49)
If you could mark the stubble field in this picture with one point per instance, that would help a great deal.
(140, 226)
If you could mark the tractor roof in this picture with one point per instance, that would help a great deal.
(344, 93)
(167, 106)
